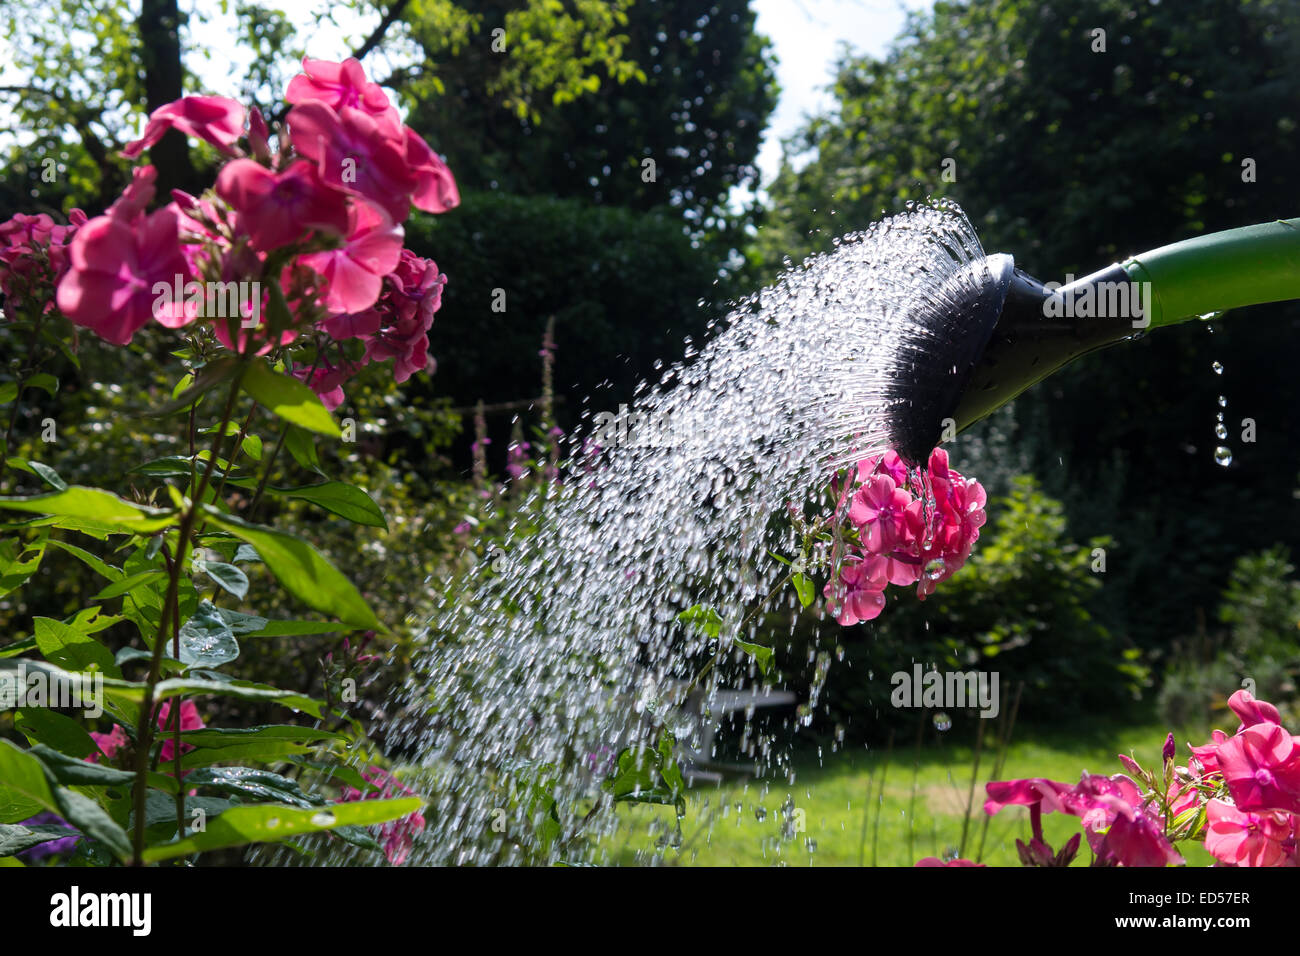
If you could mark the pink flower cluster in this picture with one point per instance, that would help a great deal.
(1240, 794)
(111, 744)
(34, 257)
(396, 836)
(320, 215)
(903, 529)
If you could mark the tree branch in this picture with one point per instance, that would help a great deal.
(377, 35)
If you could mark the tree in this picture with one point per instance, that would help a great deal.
(679, 132)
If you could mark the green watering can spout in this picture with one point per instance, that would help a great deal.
(1013, 331)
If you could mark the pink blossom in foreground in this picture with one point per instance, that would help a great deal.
(354, 274)
(879, 509)
(435, 189)
(115, 264)
(1239, 838)
(343, 84)
(1252, 711)
(215, 119)
(353, 153)
(278, 208)
(1262, 768)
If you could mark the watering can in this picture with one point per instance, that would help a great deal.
(992, 331)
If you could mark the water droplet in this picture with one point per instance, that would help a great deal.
(1223, 401)
(760, 814)
(1221, 430)
(810, 844)
(942, 721)
(323, 819)
(1223, 456)
(272, 824)
(1218, 369)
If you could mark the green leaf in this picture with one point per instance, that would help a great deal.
(290, 399)
(91, 819)
(250, 783)
(303, 571)
(127, 585)
(72, 649)
(41, 471)
(241, 690)
(16, 567)
(15, 839)
(227, 575)
(240, 826)
(206, 639)
(762, 655)
(252, 446)
(704, 619)
(44, 381)
(161, 808)
(25, 784)
(646, 775)
(224, 737)
(8, 392)
(181, 466)
(91, 504)
(40, 725)
(263, 751)
(250, 625)
(302, 447)
(803, 586)
(97, 565)
(343, 499)
(74, 772)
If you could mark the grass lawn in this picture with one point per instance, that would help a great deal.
(921, 812)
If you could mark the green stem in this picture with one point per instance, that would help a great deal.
(176, 712)
(171, 605)
(970, 794)
(1220, 271)
(1004, 742)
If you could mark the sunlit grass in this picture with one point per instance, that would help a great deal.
(851, 816)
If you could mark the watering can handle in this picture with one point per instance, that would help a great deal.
(1220, 271)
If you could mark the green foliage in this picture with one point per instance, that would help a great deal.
(140, 633)
(694, 97)
(1256, 647)
(622, 286)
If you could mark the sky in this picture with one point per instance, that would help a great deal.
(807, 35)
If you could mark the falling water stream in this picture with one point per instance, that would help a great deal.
(572, 650)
